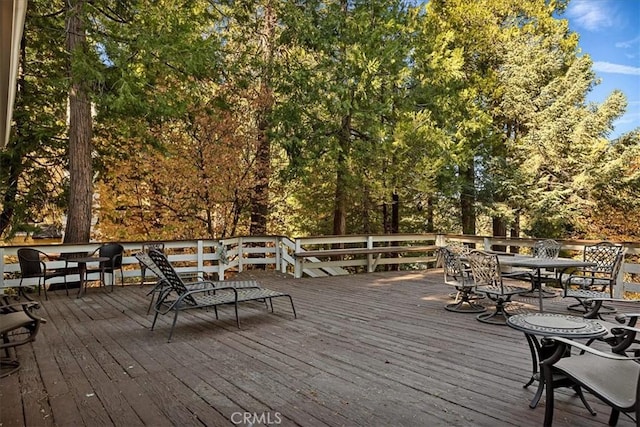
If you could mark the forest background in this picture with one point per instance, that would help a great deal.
(179, 119)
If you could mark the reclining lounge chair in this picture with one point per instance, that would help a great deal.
(176, 296)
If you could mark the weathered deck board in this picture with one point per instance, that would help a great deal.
(367, 350)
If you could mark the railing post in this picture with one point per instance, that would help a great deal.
(369, 256)
(221, 261)
(240, 253)
(297, 270)
(487, 243)
(618, 289)
(1, 268)
(200, 255)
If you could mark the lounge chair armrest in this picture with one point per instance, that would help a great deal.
(25, 306)
(626, 328)
(621, 300)
(596, 304)
(628, 318)
(587, 349)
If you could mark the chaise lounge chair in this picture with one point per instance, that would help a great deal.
(176, 296)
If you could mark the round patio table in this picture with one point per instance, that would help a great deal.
(552, 325)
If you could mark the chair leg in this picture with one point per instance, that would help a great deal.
(143, 273)
(497, 317)
(295, 316)
(464, 304)
(173, 325)
(613, 418)
(155, 317)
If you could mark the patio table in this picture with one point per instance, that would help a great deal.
(538, 264)
(549, 325)
(82, 262)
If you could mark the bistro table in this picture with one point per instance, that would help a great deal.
(82, 262)
(538, 264)
(549, 325)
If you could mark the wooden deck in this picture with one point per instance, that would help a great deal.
(366, 350)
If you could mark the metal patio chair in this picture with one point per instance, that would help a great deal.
(490, 280)
(32, 265)
(19, 325)
(115, 252)
(146, 247)
(177, 297)
(597, 281)
(458, 275)
(613, 378)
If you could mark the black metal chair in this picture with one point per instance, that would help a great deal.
(456, 274)
(115, 252)
(32, 265)
(597, 281)
(489, 280)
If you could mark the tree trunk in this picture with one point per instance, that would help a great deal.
(430, 227)
(467, 200)
(78, 228)
(499, 230)
(260, 193)
(342, 173)
(395, 213)
(515, 232)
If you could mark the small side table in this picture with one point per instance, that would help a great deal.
(549, 325)
(82, 268)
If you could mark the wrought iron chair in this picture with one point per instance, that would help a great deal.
(115, 252)
(489, 280)
(548, 248)
(611, 377)
(545, 249)
(458, 275)
(32, 265)
(18, 326)
(597, 281)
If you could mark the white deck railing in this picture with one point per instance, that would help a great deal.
(311, 256)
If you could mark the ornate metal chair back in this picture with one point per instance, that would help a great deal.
(452, 264)
(604, 254)
(485, 268)
(547, 249)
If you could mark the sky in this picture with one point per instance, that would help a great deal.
(610, 34)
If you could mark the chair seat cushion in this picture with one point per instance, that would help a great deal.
(615, 381)
(12, 321)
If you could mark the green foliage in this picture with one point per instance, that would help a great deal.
(462, 110)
